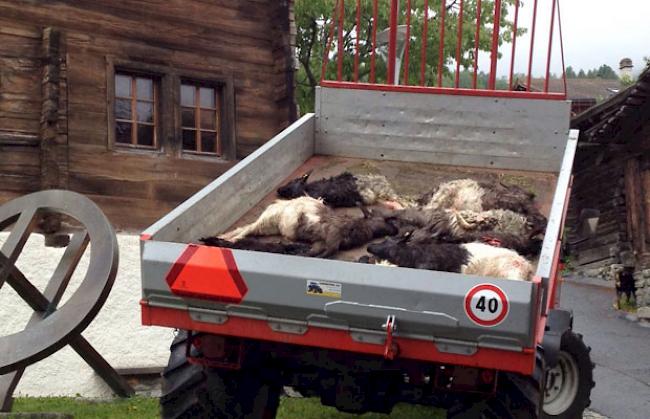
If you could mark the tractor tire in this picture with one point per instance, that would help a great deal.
(517, 397)
(195, 391)
(568, 385)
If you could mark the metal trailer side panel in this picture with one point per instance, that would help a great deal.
(560, 202)
(513, 134)
(427, 305)
(217, 206)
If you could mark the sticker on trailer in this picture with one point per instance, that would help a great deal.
(324, 289)
(486, 305)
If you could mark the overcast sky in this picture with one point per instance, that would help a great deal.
(595, 32)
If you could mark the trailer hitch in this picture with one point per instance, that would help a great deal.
(390, 349)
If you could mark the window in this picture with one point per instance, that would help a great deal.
(136, 115)
(200, 119)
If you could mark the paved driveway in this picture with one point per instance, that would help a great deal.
(620, 349)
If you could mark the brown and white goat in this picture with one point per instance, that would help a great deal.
(470, 195)
(310, 220)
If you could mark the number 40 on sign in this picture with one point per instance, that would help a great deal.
(486, 305)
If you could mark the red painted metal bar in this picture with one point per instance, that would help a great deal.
(357, 52)
(441, 47)
(495, 45)
(559, 23)
(532, 47)
(423, 54)
(330, 39)
(392, 41)
(476, 42)
(407, 51)
(522, 362)
(550, 50)
(514, 43)
(373, 57)
(339, 71)
(459, 42)
(444, 90)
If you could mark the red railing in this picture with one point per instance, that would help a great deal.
(356, 26)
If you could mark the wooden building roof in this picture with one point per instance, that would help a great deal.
(619, 119)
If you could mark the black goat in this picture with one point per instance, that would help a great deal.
(255, 244)
(436, 257)
(344, 190)
(469, 258)
(336, 191)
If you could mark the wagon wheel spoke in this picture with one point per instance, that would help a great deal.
(65, 269)
(17, 239)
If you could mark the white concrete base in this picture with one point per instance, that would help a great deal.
(116, 332)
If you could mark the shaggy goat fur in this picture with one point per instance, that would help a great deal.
(496, 262)
(344, 190)
(468, 194)
(255, 244)
(470, 258)
(310, 220)
(467, 226)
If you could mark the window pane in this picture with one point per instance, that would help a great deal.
(189, 140)
(123, 133)
(207, 97)
(208, 142)
(145, 135)
(144, 88)
(188, 118)
(122, 109)
(208, 120)
(187, 95)
(145, 112)
(122, 85)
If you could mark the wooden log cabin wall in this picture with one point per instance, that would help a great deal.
(611, 189)
(138, 104)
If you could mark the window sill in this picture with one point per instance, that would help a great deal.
(126, 149)
(188, 155)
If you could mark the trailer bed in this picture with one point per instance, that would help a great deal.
(408, 179)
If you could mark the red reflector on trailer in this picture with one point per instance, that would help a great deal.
(207, 272)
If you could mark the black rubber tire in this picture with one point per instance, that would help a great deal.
(574, 346)
(194, 391)
(517, 397)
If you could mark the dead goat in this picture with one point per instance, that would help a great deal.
(371, 260)
(468, 194)
(310, 220)
(283, 247)
(469, 258)
(344, 190)
(516, 230)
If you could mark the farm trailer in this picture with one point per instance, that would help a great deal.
(365, 337)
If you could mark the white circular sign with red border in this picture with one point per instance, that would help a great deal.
(486, 305)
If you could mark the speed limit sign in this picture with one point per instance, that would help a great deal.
(486, 305)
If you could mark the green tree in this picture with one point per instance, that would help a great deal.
(582, 74)
(570, 73)
(606, 72)
(314, 19)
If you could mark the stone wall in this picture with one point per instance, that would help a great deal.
(642, 287)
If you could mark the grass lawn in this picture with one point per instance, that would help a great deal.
(140, 407)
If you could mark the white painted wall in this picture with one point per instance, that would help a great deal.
(116, 331)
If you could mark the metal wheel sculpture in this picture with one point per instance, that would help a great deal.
(52, 327)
